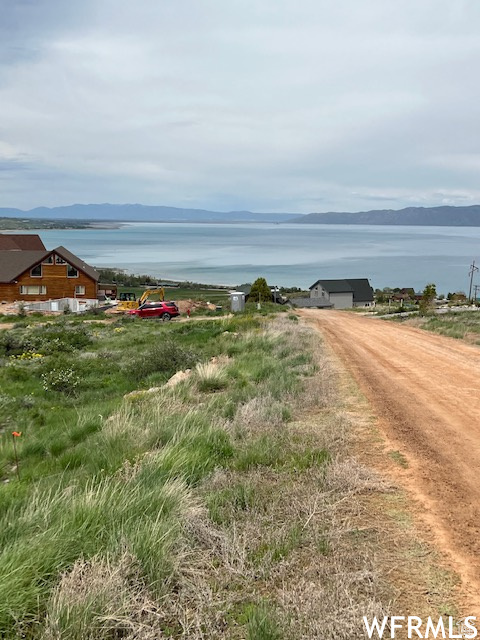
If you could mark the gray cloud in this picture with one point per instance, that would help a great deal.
(277, 105)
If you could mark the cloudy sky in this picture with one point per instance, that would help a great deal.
(267, 105)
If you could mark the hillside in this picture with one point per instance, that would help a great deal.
(144, 213)
(7, 224)
(419, 216)
(138, 509)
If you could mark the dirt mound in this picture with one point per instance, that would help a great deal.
(194, 305)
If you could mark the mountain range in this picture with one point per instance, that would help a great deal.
(144, 213)
(420, 216)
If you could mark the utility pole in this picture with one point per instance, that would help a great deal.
(476, 287)
(471, 273)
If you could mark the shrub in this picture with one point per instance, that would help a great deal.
(166, 358)
(64, 379)
(11, 342)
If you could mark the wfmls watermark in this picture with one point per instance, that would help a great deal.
(415, 627)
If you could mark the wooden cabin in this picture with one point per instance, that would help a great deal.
(29, 272)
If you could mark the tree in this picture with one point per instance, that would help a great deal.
(260, 291)
(428, 296)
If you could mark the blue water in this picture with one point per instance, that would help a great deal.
(285, 254)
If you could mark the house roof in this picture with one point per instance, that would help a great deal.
(316, 303)
(360, 287)
(245, 288)
(21, 242)
(14, 263)
(362, 291)
(334, 286)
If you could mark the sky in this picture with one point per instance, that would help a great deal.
(265, 105)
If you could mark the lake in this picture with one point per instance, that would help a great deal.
(285, 254)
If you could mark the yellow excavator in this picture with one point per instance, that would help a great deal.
(128, 300)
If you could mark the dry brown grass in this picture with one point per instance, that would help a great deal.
(102, 597)
(259, 414)
(349, 477)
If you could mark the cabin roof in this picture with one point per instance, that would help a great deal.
(21, 242)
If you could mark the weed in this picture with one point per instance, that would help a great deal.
(262, 623)
(399, 458)
(210, 377)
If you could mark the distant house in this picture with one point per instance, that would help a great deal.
(276, 296)
(245, 288)
(342, 294)
(405, 294)
(107, 290)
(29, 272)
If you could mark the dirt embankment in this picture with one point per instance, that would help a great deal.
(425, 390)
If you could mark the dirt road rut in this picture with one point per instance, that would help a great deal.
(425, 390)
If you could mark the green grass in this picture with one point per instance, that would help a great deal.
(462, 325)
(399, 458)
(202, 293)
(262, 623)
(454, 325)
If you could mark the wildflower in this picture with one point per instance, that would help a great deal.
(16, 434)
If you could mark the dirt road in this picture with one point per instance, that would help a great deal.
(425, 390)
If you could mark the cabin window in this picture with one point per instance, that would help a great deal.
(80, 290)
(48, 260)
(59, 260)
(36, 272)
(33, 290)
(72, 272)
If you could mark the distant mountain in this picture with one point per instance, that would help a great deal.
(421, 216)
(144, 213)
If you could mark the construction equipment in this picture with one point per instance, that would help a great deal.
(128, 300)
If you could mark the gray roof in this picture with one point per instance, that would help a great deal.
(316, 303)
(245, 288)
(14, 263)
(334, 286)
(360, 287)
(362, 291)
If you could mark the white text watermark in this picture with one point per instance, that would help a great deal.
(415, 627)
